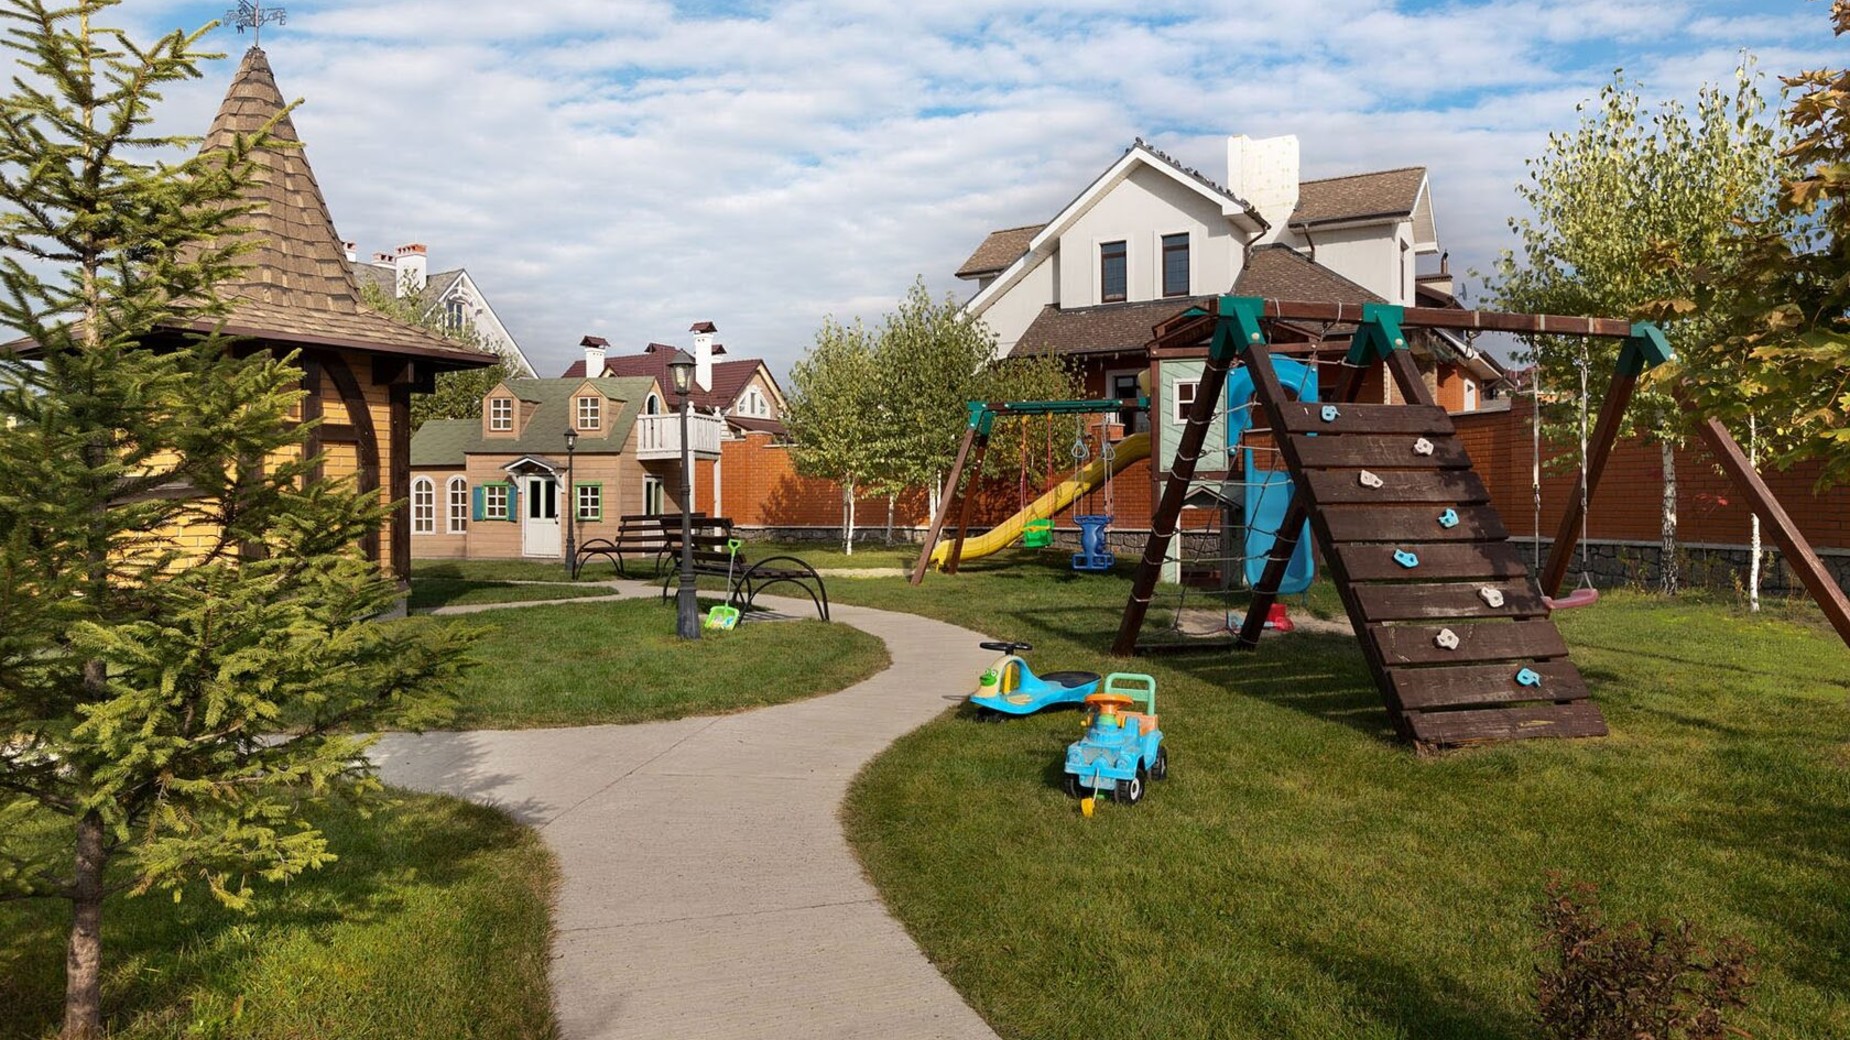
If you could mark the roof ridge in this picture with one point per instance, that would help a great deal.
(1139, 142)
(1364, 173)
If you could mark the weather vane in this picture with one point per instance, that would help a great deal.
(251, 14)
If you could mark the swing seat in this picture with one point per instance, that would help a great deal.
(1037, 533)
(1585, 596)
(1094, 556)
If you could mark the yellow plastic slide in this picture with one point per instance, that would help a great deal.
(1063, 494)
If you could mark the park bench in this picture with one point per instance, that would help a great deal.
(746, 578)
(654, 538)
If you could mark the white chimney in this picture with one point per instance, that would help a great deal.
(1265, 173)
(413, 268)
(351, 249)
(594, 355)
(703, 353)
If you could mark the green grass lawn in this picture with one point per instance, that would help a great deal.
(432, 924)
(591, 663)
(430, 593)
(496, 570)
(1303, 875)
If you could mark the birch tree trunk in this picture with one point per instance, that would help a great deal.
(892, 500)
(1753, 522)
(847, 517)
(1668, 545)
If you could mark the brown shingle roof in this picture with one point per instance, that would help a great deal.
(1107, 329)
(1384, 193)
(296, 285)
(1279, 272)
(998, 251)
(730, 378)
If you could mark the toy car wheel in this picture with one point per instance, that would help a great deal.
(1130, 792)
(1159, 769)
(1070, 784)
(988, 715)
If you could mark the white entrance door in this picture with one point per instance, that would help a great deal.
(539, 531)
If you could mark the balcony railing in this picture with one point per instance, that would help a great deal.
(659, 436)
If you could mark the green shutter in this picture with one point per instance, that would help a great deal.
(479, 495)
(513, 503)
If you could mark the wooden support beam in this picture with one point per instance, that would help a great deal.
(1193, 330)
(981, 449)
(944, 506)
(1605, 435)
(1799, 555)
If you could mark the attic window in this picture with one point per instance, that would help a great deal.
(590, 413)
(453, 314)
(500, 414)
(1111, 272)
(753, 403)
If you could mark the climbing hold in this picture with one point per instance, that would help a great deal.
(1448, 519)
(1406, 559)
(1330, 413)
(1492, 598)
(1422, 447)
(1253, 337)
(1368, 480)
(1528, 677)
(1446, 639)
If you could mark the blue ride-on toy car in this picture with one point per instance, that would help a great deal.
(1010, 687)
(1122, 749)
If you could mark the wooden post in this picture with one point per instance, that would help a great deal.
(1805, 563)
(963, 514)
(944, 506)
(1605, 434)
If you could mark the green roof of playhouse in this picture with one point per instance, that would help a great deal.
(445, 442)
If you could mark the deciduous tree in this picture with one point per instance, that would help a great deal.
(834, 413)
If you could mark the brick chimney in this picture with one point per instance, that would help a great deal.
(703, 353)
(413, 268)
(595, 346)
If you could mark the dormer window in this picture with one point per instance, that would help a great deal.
(500, 414)
(753, 403)
(590, 413)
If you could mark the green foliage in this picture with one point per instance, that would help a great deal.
(458, 394)
(1628, 982)
(833, 408)
(184, 644)
(1783, 309)
(1609, 199)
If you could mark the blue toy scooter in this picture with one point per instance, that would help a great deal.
(1010, 687)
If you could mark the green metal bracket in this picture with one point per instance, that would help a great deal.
(1236, 326)
(982, 419)
(1645, 348)
(1378, 335)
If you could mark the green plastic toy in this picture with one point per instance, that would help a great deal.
(725, 617)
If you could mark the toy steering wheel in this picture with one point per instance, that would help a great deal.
(1004, 647)
(1110, 703)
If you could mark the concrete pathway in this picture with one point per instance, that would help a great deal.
(708, 891)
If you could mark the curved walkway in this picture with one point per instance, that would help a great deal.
(708, 890)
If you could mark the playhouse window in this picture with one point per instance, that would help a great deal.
(423, 506)
(500, 414)
(590, 413)
(1175, 265)
(1185, 399)
(1111, 272)
(590, 501)
(458, 505)
(494, 502)
(652, 496)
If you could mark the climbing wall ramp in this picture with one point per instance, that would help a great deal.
(1452, 623)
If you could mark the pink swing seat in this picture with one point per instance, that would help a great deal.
(1585, 596)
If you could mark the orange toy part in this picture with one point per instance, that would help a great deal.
(1110, 703)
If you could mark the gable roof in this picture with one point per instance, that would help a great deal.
(296, 286)
(1279, 272)
(1381, 194)
(1110, 328)
(444, 442)
(730, 378)
(998, 251)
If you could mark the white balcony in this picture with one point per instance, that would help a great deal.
(659, 436)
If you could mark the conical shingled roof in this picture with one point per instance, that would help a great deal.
(296, 286)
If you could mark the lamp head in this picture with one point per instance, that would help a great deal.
(571, 438)
(681, 367)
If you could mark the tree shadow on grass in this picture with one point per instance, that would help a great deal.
(1406, 998)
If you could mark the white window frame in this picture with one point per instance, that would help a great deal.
(423, 506)
(1470, 394)
(494, 501)
(654, 496)
(1178, 408)
(456, 500)
(652, 405)
(590, 413)
(500, 414)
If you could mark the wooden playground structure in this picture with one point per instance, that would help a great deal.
(1455, 629)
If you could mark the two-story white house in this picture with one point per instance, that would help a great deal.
(450, 298)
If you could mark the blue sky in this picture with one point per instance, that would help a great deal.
(628, 167)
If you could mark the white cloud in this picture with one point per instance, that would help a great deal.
(626, 167)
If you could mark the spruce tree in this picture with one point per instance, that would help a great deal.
(185, 650)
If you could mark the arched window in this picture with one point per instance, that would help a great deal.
(423, 506)
(652, 405)
(458, 496)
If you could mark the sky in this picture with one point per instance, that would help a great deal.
(625, 168)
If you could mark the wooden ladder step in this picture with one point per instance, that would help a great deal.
(1420, 689)
(1403, 645)
(1444, 561)
(1521, 599)
(1360, 523)
(1377, 452)
(1398, 487)
(1494, 725)
(1303, 417)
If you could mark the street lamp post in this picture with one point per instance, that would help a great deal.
(687, 603)
(571, 503)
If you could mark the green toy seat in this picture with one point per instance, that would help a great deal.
(1037, 533)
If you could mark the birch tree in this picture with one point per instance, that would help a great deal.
(1610, 200)
(834, 413)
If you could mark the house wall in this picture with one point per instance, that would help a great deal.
(620, 474)
(1369, 256)
(1010, 314)
(1140, 210)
